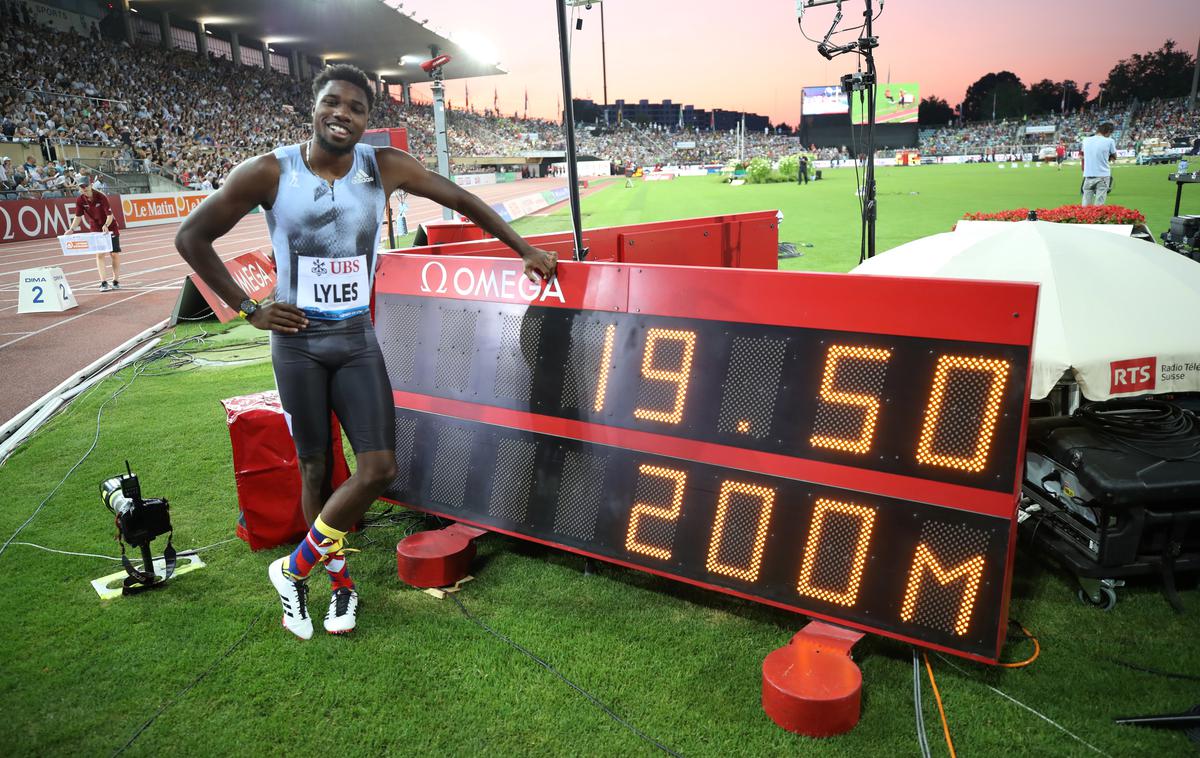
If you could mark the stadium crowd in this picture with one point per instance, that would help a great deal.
(152, 110)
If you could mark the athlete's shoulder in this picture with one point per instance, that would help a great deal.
(255, 178)
(395, 163)
(265, 165)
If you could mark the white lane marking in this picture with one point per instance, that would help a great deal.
(85, 313)
(96, 287)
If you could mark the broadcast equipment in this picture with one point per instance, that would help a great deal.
(1181, 178)
(1183, 236)
(1117, 490)
(435, 64)
(866, 84)
(139, 521)
(811, 442)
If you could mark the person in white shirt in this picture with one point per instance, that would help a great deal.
(1098, 150)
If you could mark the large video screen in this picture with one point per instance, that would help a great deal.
(895, 103)
(821, 101)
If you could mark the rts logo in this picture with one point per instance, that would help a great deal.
(1133, 375)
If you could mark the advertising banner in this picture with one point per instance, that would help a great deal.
(253, 272)
(23, 220)
(159, 207)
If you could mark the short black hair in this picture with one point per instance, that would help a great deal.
(1106, 128)
(344, 72)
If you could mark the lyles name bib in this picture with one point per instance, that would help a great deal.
(333, 288)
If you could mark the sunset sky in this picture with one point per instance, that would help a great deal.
(750, 55)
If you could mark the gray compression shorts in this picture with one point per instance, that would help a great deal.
(334, 365)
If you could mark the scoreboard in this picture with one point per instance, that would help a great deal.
(846, 447)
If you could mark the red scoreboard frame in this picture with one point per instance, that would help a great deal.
(845, 447)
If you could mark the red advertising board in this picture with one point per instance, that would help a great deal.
(253, 272)
(23, 220)
(850, 450)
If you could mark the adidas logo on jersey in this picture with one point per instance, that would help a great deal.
(361, 177)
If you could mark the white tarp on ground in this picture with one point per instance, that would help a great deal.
(1118, 313)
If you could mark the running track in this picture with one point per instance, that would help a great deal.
(40, 350)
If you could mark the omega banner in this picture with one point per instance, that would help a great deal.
(23, 220)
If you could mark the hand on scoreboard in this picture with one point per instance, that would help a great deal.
(538, 261)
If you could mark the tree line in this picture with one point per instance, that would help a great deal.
(1163, 73)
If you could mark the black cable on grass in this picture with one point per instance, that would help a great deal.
(139, 367)
(194, 682)
(78, 463)
(544, 664)
(1154, 671)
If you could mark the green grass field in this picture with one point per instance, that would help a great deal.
(202, 667)
(914, 201)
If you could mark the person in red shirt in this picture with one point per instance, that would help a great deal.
(94, 206)
(1060, 154)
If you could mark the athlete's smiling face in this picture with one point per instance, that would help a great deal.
(339, 116)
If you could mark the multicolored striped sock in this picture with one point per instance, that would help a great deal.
(321, 540)
(339, 573)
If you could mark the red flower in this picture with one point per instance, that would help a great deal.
(1068, 214)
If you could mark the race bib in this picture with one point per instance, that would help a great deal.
(333, 288)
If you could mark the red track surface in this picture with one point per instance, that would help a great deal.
(40, 350)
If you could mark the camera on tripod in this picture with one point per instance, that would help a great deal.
(139, 521)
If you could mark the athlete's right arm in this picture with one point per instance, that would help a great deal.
(252, 183)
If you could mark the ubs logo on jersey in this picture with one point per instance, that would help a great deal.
(344, 266)
(319, 268)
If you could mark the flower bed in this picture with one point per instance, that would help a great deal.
(1068, 214)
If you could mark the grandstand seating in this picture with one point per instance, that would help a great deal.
(171, 113)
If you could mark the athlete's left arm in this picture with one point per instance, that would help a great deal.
(402, 171)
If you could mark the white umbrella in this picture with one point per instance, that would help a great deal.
(1121, 314)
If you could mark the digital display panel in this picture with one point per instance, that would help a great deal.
(895, 103)
(866, 474)
(820, 101)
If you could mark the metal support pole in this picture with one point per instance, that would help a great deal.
(569, 123)
(1195, 74)
(439, 126)
(604, 60)
(869, 209)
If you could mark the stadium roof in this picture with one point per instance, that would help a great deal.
(366, 33)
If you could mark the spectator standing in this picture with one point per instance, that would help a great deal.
(1060, 154)
(803, 178)
(1098, 150)
(94, 206)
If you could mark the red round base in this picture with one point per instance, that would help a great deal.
(812, 689)
(436, 558)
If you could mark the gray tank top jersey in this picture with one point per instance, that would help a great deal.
(313, 227)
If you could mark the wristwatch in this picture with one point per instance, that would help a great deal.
(248, 308)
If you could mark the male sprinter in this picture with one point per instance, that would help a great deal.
(324, 201)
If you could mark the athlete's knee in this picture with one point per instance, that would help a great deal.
(376, 471)
(313, 472)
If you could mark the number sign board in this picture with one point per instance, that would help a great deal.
(846, 447)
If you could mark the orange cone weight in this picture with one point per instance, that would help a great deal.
(810, 686)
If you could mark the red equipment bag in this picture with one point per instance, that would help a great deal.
(266, 470)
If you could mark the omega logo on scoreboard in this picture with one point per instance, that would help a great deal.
(838, 445)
